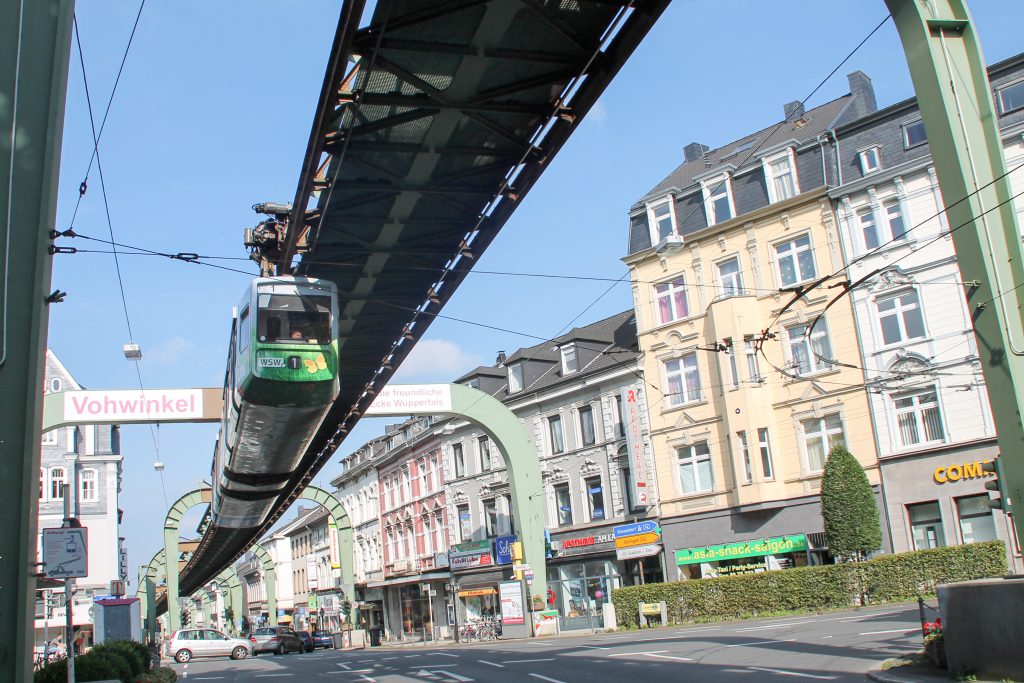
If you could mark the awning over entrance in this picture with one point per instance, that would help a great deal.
(401, 580)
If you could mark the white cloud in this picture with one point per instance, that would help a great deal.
(169, 352)
(598, 112)
(437, 360)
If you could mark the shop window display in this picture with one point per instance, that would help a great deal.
(579, 590)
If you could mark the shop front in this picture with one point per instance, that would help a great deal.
(583, 572)
(939, 498)
(744, 557)
(474, 583)
(371, 612)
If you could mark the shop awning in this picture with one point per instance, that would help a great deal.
(477, 592)
(418, 578)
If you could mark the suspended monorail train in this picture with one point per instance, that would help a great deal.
(282, 376)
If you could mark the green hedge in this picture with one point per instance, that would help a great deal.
(124, 660)
(889, 578)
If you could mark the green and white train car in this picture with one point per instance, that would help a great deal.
(281, 378)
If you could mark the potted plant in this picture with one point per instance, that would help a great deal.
(934, 643)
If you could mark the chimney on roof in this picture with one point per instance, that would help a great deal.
(501, 358)
(793, 110)
(863, 93)
(694, 151)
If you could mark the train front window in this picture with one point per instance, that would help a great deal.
(294, 319)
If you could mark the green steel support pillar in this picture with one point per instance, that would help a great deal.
(149, 592)
(338, 515)
(171, 554)
(946, 64)
(269, 580)
(35, 43)
(522, 463)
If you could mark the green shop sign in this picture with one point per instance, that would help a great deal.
(729, 551)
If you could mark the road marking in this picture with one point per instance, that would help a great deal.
(680, 659)
(344, 665)
(593, 647)
(761, 642)
(367, 678)
(765, 628)
(630, 654)
(526, 661)
(695, 630)
(433, 674)
(783, 672)
(359, 671)
(271, 675)
(384, 659)
(545, 678)
(484, 661)
(207, 678)
(407, 657)
(444, 654)
(892, 630)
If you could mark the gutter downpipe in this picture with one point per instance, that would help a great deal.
(839, 157)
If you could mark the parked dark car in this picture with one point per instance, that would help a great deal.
(323, 639)
(276, 639)
(307, 640)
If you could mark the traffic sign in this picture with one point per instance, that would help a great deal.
(520, 567)
(639, 539)
(65, 553)
(648, 527)
(637, 552)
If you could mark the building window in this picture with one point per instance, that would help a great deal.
(515, 378)
(484, 444)
(1011, 98)
(781, 179)
(595, 497)
(670, 301)
(42, 484)
(620, 415)
(914, 134)
(627, 490)
(926, 525)
(730, 358)
(718, 200)
(465, 523)
(900, 318)
(795, 261)
(766, 453)
(821, 434)
(57, 483)
(570, 362)
(439, 540)
(893, 212)
(49, 437)
(587, 430)
(555, 433)
(459, 459)
(976, 521)
(683, 380)
(750, 350)
(695, 474)
(473, 384)
(748, 468)
(729, 281)
(563, 504)
(919, 417)
(809, 355)
(663, 220)
(491, 517)
(868, 229)
(870, 160)
(88, 485)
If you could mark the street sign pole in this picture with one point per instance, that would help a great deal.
(69, 601)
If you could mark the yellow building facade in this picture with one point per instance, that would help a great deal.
(745, 397)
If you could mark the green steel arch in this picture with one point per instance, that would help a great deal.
(269, 579)
(172, 524)
(336, 513)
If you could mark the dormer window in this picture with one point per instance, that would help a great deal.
(662, 217)
(870, 160)
(570, 363)
(473, 384)
(780, 176)
(914, 134)
(718, 199)
(515, 378)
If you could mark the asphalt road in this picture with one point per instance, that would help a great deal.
(837, 646)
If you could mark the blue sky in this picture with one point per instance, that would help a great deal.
(212, 115)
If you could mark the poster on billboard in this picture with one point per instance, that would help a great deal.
(635, 446)
(511, 603)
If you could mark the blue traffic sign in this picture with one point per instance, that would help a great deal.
(636, 528)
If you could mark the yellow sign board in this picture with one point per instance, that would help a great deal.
(638, 539)
(968, 470)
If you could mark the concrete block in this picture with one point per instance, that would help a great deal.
(983, 625)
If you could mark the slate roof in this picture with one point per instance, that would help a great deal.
(818, 120)
(603, 345)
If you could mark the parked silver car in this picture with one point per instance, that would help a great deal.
(205, 642)
(276, 639)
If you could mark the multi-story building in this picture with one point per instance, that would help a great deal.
(929, 405)
(750, 380)
(315, 570)
(414, 528)
(356, 488)
(88, 458)
(569, 394)
(252, 575)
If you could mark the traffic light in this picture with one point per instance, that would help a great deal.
(346, 608)
(1001, 500)
(186, 617)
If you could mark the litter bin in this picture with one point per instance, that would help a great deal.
(375, 637)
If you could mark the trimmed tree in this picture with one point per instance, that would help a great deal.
(852, 527)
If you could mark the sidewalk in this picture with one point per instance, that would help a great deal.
(917, 674)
